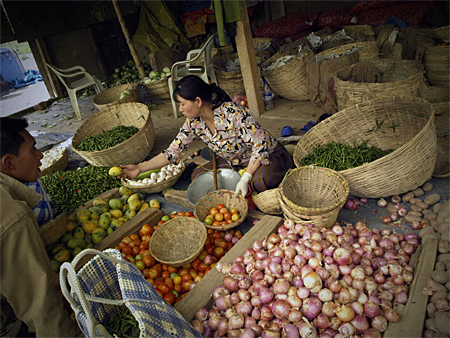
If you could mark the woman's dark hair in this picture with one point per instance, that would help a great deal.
(11, 140)
(192, 86)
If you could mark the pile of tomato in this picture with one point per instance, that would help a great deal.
(172, 283)
(219, 215)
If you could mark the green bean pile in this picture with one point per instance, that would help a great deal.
(108, 139)
(70, 189)
(338, 156)
(123, 324)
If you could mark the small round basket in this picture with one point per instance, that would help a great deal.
(111, 96)
(159, 89)
(225, 197)
(133, 150)
(408, 127)
(313, 191)
(54, 229)
(268, 202)
(154, 188)
(178, 241)
(59, 165)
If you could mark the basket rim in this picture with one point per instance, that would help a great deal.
(399, 149)
(329, 208)
(226, 227)
(170, 223)
(106, 111)
(133, 87)
(156, 185)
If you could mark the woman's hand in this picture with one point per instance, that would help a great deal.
(242, 186)
(130, 171)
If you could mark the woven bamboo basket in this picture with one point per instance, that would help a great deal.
(289, 81)
(437, 63)
(360, 32)
(325, 220)
(159, 89)
(368, 50)
(111, 96)
(178, 241)
(312, 191)
(414, 139)
(225, 197)
(157, 187)
(133, 150)
(443, 32)
(59, 165)
(397, 78)
(53, 229)
(268, 202)
(434, 94)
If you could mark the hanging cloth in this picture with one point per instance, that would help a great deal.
(226, 12)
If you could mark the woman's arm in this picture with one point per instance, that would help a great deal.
(133, 170)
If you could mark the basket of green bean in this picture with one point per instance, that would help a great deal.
(119, 134)
(393, 141)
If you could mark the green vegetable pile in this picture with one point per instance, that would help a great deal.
(123, 324)
(339, 156)
(108, 139)
(70, 189)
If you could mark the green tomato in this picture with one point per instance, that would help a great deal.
(140, 265)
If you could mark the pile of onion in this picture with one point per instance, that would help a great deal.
(310, 282)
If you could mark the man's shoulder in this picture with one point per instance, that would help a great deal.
(11, 209)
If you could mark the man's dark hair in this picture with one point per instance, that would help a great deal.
(11, 140)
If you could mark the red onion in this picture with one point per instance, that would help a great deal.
(274, 268)
(220, 291)
(344, 269)
(372, 333)
(371, 310)
(244, 294)
(230, 312)
(325, 295)
(401, 297)
(257, 329)
(391, 316)
(230, 283)
(347, 330)
(379, 323)
(328, 309)
(223, 302)
(280, 286)
(335, 323)
(345, 297)
(295, 315)
(312, 281)
(222, 329)
(280, 309)
(323, 273)
(358, 284)
(260, 254)
(360, 323)
(341, 256)
(303, 292)
(382, 202)
(236, 322)
(393, 217)
(265, 294)
(197, 325)
(201, 314)
(322, 321)
(386, 219)
(402, 211)
(266, 313)
(290, 331)
(207, 332)
(334, 285)
(256, 313)
(306, 330)
(213, 321)
(311, 307)
(234, 298)
(357, 307)
(350, 204)
(248, 333)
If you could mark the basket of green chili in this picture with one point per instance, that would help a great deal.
(383, 147)
(120, 134)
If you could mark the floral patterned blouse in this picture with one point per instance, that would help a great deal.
(239, 138)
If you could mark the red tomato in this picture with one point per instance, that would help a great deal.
(189, 214)
(154, 273)
(148, 260)
(135, 251)
(127, 250)
(147, 229)
(160, 292)
(169, 297)
(164, 287)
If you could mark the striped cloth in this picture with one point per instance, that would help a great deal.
(45, 210)
(266, 177)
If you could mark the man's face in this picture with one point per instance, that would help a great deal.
(26, 165)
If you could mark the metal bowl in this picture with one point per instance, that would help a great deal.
(204, 183)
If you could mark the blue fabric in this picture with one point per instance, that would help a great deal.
(41, 210)
(393, 20)
(30, 77)
(10, 68)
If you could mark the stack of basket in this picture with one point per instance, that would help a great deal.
(405, 124)
(159, 89)
(313, 195)
(436, 60)
(393, 78)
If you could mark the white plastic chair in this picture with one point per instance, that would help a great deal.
(183, 68)
(86, 80)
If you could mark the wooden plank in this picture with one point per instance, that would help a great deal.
(149, 215)
(412, 314)
(249, 68)
(179, 197)
(201, 294)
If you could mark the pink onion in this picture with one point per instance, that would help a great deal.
(371, 310)
(311, 307)
(341, 256)
(281, 309)
(347, 330)
(345, 313)
(322, 321)
(372, 333)
(379, 323)
(295, 315)
(248, 333)
(360, 323)
(325, 295)
(328, 309)
(306, 330)
(213, 321)
(290, 331)
(230, 283)
(280, 286)
(312, 281)
(391, 316)
(303, 292)
(401, 297)
(198, 326)
(266, 295)
(201, 314)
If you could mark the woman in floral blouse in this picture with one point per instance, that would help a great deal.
(228, 129)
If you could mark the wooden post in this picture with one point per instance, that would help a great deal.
(249, 68)
(128, 38)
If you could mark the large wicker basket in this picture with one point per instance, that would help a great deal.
(289, 80)
(413, 138)
(59, 165)
(178, 241)
(111, 96)
(53, 229)
(312, 191)
(157, 187)
(159, 89)
(133, 150)
(437, 60)
(225, 197)
(396, 78)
